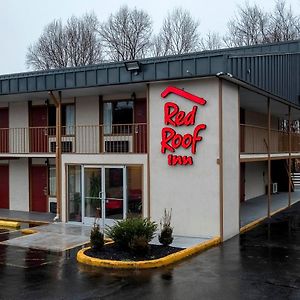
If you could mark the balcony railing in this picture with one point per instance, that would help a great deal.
(254, 140)
(88, 139)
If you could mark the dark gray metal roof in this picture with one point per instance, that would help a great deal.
(272, 67)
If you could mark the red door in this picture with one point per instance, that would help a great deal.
(38, 129)
(140, 131)
(4, 130)
(39, 199)
(4, 186)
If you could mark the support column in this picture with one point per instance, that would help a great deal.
(290, 158)
(220, 160)
(269, 159)
(57, 103)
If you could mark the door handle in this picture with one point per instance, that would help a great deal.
(45, 190)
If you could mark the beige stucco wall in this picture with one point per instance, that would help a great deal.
(231, 161)
(87, 114)
(256, 174)
(102, 160)
(191, 191)
(18, 119)
(19, 184)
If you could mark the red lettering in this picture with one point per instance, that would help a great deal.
(174, 160)
(176, 141)
(173, 116)
(191, 116)
(176, 117)
(197, 138)
(187, 141)
(171, 109)
(170, 140)
(167, 134)
(179, 119)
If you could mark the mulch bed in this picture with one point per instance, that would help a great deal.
(113, 252)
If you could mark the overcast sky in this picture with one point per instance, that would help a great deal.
(22, 21)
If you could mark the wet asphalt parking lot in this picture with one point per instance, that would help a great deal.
(261, 264)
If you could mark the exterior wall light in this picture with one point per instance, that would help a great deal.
(133, 66)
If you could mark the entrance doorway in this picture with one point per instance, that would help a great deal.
(4, 186)
(39, 190)
(38, 129)
(4, 131)
(104, 194)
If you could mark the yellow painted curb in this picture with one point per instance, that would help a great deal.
(28, 231)
(278, 210)
(146, 264)
(252, 225)
(25, 221)
(259, 221)
(9, 224)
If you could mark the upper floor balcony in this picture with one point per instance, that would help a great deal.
(254, 140)
(89, 139)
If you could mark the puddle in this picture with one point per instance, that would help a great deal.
(8, 233)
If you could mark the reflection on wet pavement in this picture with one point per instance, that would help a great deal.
(24, 258)
(261, 264)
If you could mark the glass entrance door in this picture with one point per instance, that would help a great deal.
(104, 194)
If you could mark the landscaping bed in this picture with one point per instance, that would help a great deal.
(113, 252)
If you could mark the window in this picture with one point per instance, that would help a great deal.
(74, 193)
(119, 113)
(134, 190)
(67, 118)
(52, 181)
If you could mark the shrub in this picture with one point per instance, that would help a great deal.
(132, 233)
(96, 237)
(166, 234)
(139, 244)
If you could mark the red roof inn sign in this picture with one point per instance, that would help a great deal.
(173, 116)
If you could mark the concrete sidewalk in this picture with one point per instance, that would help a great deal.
(24, 216)
(59, 237)
(256, 208)
(56, 237)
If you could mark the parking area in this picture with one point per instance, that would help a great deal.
(260, 264)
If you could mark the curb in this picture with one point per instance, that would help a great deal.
(34, 222)
(252, 224)
(147, 264)
(12, 224)
(28, 231)
(257, 222)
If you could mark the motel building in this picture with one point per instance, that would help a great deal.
(214, 136)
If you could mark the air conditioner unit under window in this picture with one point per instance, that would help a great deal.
(66, 144)
(118, 144)
(274, 188)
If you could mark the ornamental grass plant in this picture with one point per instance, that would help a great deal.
(96, 238)
(132, 234)
(166, 231)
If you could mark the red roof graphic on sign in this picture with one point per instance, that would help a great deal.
(182, 93)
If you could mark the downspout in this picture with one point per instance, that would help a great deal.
(57, 103)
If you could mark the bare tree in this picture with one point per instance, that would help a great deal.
(158, 46)
(74, 44)
(84, 45)
(284, 25)
(211, 41)
(127, 34)
(248, 27)
(251, 25)
(50, 51)
(179, 33)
